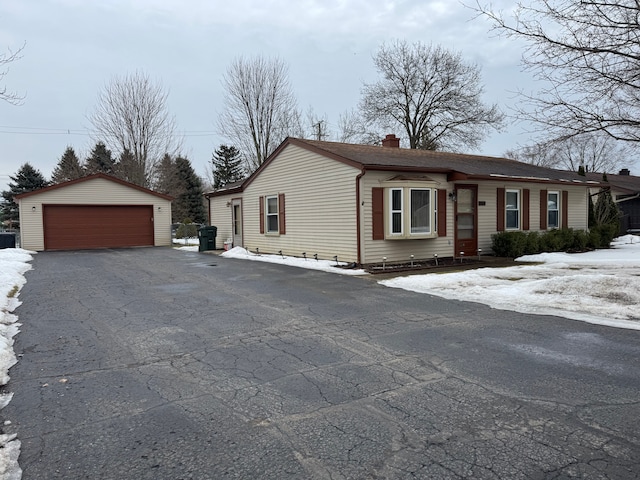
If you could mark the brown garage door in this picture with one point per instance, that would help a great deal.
(71, 227)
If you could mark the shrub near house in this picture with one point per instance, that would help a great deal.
(516, 244)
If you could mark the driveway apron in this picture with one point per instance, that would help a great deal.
(155, 363)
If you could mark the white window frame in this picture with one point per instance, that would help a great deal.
(396, 211)
(517, 209)
(269, 215)
(406, 214)
(557, 210)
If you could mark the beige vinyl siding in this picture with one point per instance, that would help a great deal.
(220, 216)
(578, 207)
(373, 251)
(320, 206)
(96, 191)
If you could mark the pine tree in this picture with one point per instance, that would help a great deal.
(26, 179)
(190, 202)
(68, 167)
(167, 178)
(100, 160)
(226, 166)
(130, 170)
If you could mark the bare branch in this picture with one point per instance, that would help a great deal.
(586, 54)
(260, 108)
(132, 116)
(5, 59)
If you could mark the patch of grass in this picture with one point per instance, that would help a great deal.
(13, 292)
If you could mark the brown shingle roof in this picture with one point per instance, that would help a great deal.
(463, 166)
(477, 166)
(623, 183)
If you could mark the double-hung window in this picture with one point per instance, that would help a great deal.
(512, 209)
(553, 213)
(272, 214)
(396, 211)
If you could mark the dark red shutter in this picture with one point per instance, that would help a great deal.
(282, 226)
(442, 213)
(500, 209)
(565, 209)
(525, 208)
(543, 209)
(377, 206)
(261, 200)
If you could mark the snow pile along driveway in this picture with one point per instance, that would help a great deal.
(13, 265)
(601, 287)
(310, 263)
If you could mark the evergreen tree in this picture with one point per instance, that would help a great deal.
(167, 178)
(226, 166)
(190, 202)
(100, 160)
(26, 179)
(130, 170)
(68, 167)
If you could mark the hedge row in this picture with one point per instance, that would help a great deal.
(516, 244)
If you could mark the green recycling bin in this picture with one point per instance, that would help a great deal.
(207, 237)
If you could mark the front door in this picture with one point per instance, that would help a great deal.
(236, 222)
(466, 241)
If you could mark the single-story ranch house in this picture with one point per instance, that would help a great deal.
(97, 211)
(365, 203)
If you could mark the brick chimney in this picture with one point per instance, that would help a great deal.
(625, 171)
(391, 141)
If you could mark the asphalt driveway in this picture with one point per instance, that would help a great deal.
(159, 364)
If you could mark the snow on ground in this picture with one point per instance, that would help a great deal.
(13, 265)
(187, 241)
(601, 287)
(310, 263)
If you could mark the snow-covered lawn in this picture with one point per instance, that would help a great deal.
(601, 287)
(14, 262)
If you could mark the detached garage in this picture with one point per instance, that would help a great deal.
(98, 211)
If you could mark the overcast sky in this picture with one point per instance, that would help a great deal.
(74, 47)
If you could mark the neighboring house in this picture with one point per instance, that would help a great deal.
(97, 211)
(366, 203)
(625, 191)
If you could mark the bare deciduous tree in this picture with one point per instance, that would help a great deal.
(595, 152)
(586, 53)
(260, 109)
(541, 154)
(131, 116)
(5, 59)
(432, 94)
